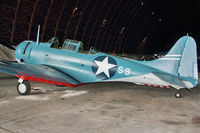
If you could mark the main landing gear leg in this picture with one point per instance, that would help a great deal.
(23, 87)
(178, 94)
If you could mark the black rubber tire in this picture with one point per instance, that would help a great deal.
(24, 88)
(178, 94)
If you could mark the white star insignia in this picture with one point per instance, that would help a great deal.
(104, 66)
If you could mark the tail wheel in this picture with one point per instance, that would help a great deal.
(24, 88)
(178, 94)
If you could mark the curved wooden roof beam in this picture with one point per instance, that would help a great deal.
(59, 18)
(45, 20)
(69, 21)
(77, 26)
(14, 21)
(89, 18)
(91, 34)
(31, 21)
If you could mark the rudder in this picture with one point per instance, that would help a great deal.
(188, 62)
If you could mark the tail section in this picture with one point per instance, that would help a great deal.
(181, 60)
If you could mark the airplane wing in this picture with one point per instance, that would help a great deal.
(39, 73)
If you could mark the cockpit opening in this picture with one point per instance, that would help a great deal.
(77, 46)
(54, 42)
(71, 45)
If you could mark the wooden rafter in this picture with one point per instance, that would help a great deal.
(69, 21)
(14, 21)
(46, 20)
(59, 18)
(31, 21)
(77, 26)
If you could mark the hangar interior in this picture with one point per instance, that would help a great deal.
(118, 27)
(129, 27)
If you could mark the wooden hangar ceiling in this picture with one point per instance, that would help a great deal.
(120, 26)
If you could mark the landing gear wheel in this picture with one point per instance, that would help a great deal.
(24, 88)
(178, 94)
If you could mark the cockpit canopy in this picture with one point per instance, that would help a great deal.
(71, 45)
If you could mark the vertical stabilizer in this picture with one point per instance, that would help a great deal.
(38, 35)
(188, 62)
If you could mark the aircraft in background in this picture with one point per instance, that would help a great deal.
(71, 66)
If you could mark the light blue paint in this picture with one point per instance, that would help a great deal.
(180, 64)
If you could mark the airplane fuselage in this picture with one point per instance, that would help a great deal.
(89, 68)
(69, 65)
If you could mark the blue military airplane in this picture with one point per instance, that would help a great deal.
(71, 66)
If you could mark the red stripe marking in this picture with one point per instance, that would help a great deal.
(158, 86)
(164, 86)
(48, 81)
(146, 84)
(152, 85)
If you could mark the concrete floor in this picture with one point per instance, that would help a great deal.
(97, 108)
